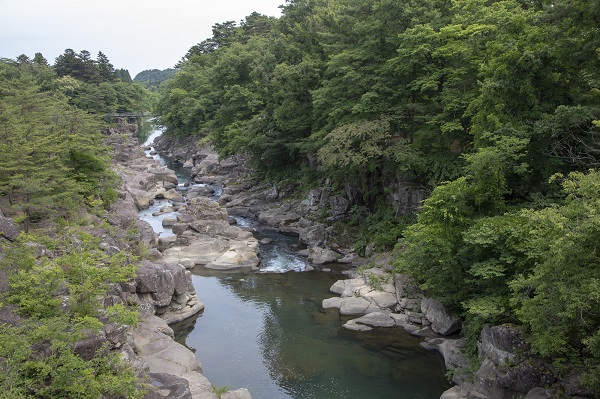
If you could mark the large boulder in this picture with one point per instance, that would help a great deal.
(153, 340)
(235, 257)
(162, 385)
(200, 251)
(167, 289)
(8, 229)
(451, 351)
(441, 321)
(384, 300)
(215, 253)
(354, 306)
(321, 256)
(200, 191)
(376, 319)
(538, 393)
(500, 343)
(330, 303)
(275, 217)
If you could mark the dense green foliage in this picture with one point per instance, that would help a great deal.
(480, 102)
(92, 85)
(152, 78)
(61, 295)
(55, 169)
(54, 161)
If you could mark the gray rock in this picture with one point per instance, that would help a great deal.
(303, 253)
(538, 393)
(201, 252)
(399, 318)
(354, 306)
(161, 385)
(486, 383)
(354, 326)
(276, 217)
(406, 287)
(153, 340)
(200, 191)
(235, 258)
(384, 300)
(321, 256)
(415, 317)
(146, 233)
(165, 242)
(338, 287)
(453, 393)
(500, 343)
(168, 222)
(8, 229)
(330, 303)
(451, 351)
(187, 263)
(441, 321)
(173, 195)
(523, 378)
(376, 319)
(355, 287)
(241, 393)
(161, 286)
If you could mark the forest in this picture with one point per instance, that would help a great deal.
(56, 182)
(491, 107)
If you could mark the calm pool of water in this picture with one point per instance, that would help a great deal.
(268, 333)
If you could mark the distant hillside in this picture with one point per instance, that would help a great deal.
(154, 77)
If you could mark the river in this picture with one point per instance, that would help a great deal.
(267, 332)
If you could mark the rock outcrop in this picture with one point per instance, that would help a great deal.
(508, 369)
(394, 301)
(209, 240)
(441, 321)
(8, 230)
(167, 291)
(171, 364)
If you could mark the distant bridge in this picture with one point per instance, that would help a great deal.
(129, 115)
(132, 117)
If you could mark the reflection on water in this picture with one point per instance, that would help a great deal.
(267, 332)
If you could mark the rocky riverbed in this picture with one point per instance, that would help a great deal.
(163, 289)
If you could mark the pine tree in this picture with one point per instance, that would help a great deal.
(105, 68)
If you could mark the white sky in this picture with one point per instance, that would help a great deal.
(134, 34)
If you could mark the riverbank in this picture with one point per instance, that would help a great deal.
(162, 290)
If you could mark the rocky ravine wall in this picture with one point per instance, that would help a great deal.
(508, 369)
(163, 289)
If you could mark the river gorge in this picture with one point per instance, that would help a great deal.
(266, 330)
